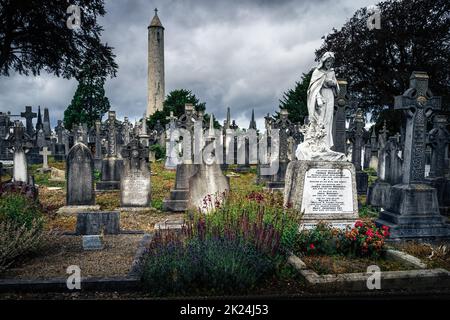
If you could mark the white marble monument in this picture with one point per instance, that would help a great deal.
(321, 184)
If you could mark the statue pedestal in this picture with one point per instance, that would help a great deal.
(322, 191)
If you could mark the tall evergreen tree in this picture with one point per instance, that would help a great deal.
(295, 100)
(89, 102)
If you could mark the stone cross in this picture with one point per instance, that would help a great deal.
(341, 104)
(286, 129)
(438, 138)
(112, 143)
(126, 131)
(268, 122)
(171, 118)
(187, 120)
(29, 115)
(418, 105)
(135, 152)
(59, 131)
(45, 153)
(40, 139)
(357, 137)
(98, 140)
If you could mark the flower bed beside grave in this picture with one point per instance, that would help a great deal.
(232, 250)
(332, 251)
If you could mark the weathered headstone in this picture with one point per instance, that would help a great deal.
(413, 210)
(111, 165)
(135, 187)
(378, 193)
(46, 124)
(208, 185)
(357, 135)
(439, 140)
(393, 167)
(60, 147)
(171, 151)
(340, 109)
(98, 222)
(373, 162)
(80, 176)
(285, 130)
(20, 144)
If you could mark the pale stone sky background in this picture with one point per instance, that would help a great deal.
(237, 54)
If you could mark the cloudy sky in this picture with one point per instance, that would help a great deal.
(237, 54)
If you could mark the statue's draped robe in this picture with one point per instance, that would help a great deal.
(319, 90)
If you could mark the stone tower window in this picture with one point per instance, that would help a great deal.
(158, 36)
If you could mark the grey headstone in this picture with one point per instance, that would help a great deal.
(98, 222)
(80, 176)
(135, 187)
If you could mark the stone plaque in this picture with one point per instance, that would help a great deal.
(327, 191)
(93, 242)
(322, 191)
(136, 189)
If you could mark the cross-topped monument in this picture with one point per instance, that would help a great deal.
(29, 115)
(45, 153)
(418, 105)
(412, 210)
(340, 108)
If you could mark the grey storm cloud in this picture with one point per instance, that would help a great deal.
(237, 54)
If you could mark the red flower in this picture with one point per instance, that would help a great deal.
(358, 224)
(311, 246)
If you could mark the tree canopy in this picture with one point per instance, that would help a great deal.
(34, 36)
(295, 100)
(414, 35)
(89, 102)
(175, 102)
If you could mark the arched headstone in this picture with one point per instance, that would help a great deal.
(80, 176)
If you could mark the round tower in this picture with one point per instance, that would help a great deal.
(156, 92)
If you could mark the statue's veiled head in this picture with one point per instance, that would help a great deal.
(326, 61)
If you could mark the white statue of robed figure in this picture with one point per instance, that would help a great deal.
(318, 137)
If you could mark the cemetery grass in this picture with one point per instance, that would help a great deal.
(52, 200)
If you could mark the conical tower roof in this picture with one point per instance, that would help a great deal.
(155, 21)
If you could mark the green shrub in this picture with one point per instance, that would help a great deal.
(21, 227)
(363, 240)
(16, 241)
(160, 151)
(318, 240)
(262, 210)
(19, 209)
(97, 175)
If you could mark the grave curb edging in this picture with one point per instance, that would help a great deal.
(423, 278)
(60, 285)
